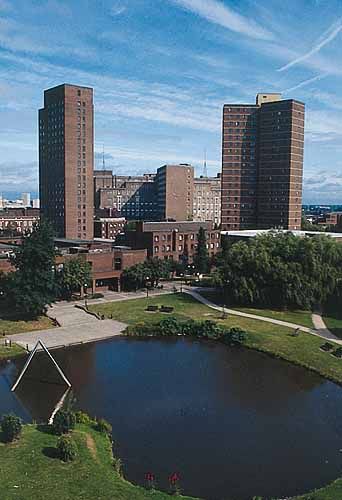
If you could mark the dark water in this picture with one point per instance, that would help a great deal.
(233, 423)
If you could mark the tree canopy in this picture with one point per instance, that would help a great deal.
(74, 275)
(280, 270)
(32, 286)
(201, 257)
(150, 271)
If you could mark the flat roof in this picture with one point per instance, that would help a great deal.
(178, 225)
(251, 233)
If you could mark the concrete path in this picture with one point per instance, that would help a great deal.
(321, 328)
(322, 332)
(77, 327)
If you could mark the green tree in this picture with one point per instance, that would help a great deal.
(150, 271)
(67, 449)
(73, 276)
(32, 286)
(201, 257)
(281, 270)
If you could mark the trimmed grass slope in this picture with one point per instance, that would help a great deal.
(30, 470)
(293, 316)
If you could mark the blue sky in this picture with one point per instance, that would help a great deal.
(161, 72)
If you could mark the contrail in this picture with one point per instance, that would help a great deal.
(332, 33)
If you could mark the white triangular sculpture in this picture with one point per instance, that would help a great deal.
(40, 342)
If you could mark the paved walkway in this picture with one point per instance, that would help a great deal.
(77, 327)
(320, 328)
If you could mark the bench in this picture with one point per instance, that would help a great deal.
(326, 347)
(151, 308)
(166, 309)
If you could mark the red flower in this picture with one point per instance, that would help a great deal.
(174, 478)
(149, 476)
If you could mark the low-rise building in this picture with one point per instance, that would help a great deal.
(173, 240)
(18, 221)
(108, 227)
(334, 219)
(107, 261)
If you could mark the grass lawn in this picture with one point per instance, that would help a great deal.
(30, 470)
(12, 322)
(276, 340)
(294, 316)
(10, 352)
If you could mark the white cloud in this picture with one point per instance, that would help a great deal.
(324, 186)
(305, 83)
(326, 38)
(17, 176)
(118, 9)
(323, 126)
(216, 12)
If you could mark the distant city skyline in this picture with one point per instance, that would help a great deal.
(161, 72)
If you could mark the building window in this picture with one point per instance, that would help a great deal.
(117, 264)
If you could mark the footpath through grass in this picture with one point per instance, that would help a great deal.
(30, 470)
(334, 324)
(292, 316)
(276, 340)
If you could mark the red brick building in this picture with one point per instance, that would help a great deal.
(173, 240)
(108, 227)
(18, 222)
(107, 262)
(66, 159)
(262, 164)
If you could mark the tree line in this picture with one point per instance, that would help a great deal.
(280, 270)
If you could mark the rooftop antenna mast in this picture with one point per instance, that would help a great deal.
(205, 170)
(103, 159)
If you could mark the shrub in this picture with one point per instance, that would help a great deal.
(104, 427)
(234, 336)
(97, 295)
(11, 427)
(209, 329)
(189, 327)
(170, 326)
(64, 421)
(67, 449)
(142, 330)
(83, 418)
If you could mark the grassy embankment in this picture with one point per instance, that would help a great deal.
(30, 470)
(292, 316)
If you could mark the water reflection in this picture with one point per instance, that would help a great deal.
(234, 423)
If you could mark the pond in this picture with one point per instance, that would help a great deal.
(232, 423)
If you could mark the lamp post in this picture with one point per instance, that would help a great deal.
(224, 314)
(146, 283)
(181, 283)
(85, 286)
